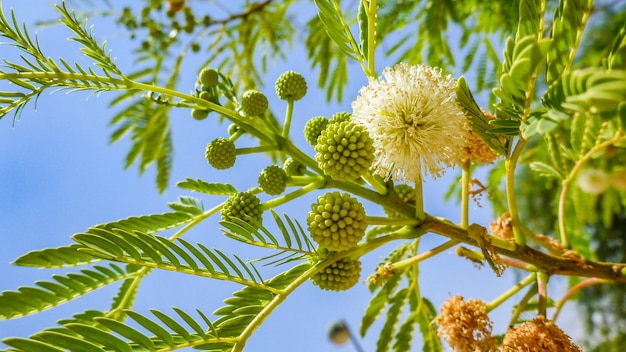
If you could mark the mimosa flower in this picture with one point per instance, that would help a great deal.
(412, 115)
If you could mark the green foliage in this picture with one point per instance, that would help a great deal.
(48, 294)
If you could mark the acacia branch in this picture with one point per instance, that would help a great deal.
(552, 265)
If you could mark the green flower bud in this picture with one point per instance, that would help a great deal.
(344, 151)
(273, 180)
(221, 153)
(241, 206)
(341, 117)
(208, 77)
(338, 276)
(337, 221)
(199, 114)
(253, 103)
(314, 128)
(293, 167)
(291, 86)
(404, 192)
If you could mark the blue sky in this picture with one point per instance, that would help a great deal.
(59, 176)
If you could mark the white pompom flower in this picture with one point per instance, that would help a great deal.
(416, 124)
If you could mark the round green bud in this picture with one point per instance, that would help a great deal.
(338, 276)
(233, 128)
(340, 117)
(291, 86)
(314, 128)
(199, 114)
(221, 153)
(293, 167)
(404, 192)
(208, 77)
(344, 151)
(205, 95)
(337, 221)
(244, 206)
(253, 103)
(273, 180)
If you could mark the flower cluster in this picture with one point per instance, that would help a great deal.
(244, 206)
(337, 221)
(338, 276)
(537, 336)
(466, 326)
(344, 150)
(412, 115)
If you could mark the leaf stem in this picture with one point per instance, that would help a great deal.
(372, 14)
(465, 185)
(573, 290)
(385, 220)
(542, 292)
(372, 181)
(510, 292)
(510, 166)
(565, 243)
(319, 183)
(398, 266)
(288, 116)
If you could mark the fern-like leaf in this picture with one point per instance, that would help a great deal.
(150, 223)
(336, 27)
(294, 236)
(396, 304)
(48, 294)
(426, 317)
(197, 185)
(90, 46)
(152, 251)
(567, 26)
(60, 257)
(474, 114)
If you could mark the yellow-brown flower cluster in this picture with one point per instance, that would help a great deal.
(538, 335)
(466, 326)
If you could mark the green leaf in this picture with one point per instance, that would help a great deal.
(29, 300)
(378, 303)
(427, 314)
(102, 337)
(396, 304)
(363, 26)
(617, 55)
(477, 119)
(172, 324)
(60, 257)
(545, 170)
(153, 327)
(28, 345)
(566, 27)
(128, 332)
(332, 18)
(150, 223)
(201, 186)
(68, 342)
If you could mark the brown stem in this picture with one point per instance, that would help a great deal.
(570, 266)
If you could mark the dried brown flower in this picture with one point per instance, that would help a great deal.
(502, 227)
(382, 274)
(466, 326)
(539, 335)
(476, 149)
